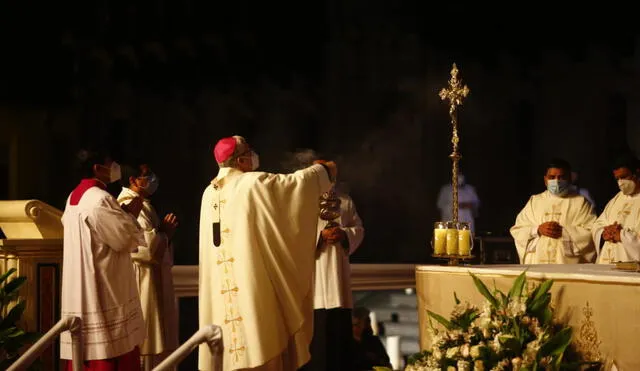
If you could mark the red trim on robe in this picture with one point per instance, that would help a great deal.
(126, 362)
(85, 184)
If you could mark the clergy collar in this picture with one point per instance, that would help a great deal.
(130, 191)
(224, 174)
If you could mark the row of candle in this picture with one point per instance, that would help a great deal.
(451, 238)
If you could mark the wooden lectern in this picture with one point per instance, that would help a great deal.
(31, 241)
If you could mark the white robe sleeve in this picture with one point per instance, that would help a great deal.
(352, 226)
(525, 231)
(115, 227)
(576, 238)
(154, 240)
(598, 227)
(631, 243)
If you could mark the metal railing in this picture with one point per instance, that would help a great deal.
(212, 335)
(71, 324)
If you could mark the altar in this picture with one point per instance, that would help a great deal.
(601, 304)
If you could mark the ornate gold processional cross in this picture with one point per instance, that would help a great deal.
(455, 93)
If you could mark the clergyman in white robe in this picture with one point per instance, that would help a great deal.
(98, 280)
(624, 210)
(152, 264)
(573, 212)
(257, 247)
(333, 302)
(466, 196)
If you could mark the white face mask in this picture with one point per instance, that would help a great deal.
(115, 173)
(152, 184)
(255, 161)
(627, 186)
(558, 187)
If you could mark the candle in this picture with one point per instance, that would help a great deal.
(439, 241)
(452, 240)
(464, 242)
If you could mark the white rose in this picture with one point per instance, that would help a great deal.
(464, 351)
(476, 351)
(452, 352)
(437, 354)
(464, 365)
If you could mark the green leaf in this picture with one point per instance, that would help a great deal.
(510, 343)
(556, 346)
(14, 285)
(518, 285)
(484, 290)
(544, 288)
(455, 297)
(448, 325)
(7, 274)
(14, 315)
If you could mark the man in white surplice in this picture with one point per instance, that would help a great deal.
(98, 281)
(555, 226)
(332, 326)
(617, 230)
(468, 202)
(153, 266)
(257, 246)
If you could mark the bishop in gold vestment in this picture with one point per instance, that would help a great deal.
(257, 247)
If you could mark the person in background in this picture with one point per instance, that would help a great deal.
(554, 227)
(333, 302)
(368, 350)
(98, 279)
(468, 202)
(153, 264)
(617, 231)
(575, 186)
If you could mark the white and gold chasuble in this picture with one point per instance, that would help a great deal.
(625, 210)
(573, 212)
(257, 247)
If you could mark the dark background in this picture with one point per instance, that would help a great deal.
(162, 81)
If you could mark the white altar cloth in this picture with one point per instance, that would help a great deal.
(601, 304)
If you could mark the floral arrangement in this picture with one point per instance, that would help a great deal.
(513, 331)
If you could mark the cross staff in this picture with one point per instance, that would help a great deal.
(455, 93)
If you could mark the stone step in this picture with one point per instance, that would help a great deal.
(409, 329)
(404, 314)
(402, 300)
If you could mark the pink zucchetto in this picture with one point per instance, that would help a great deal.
(224, 149)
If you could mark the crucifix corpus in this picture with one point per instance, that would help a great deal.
(454, 93)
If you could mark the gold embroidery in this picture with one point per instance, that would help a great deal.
(608, 254)
(624, 213)
(550, 251)
(232, 318)
(555, 213)
(236, 351)
(226, 262)
(588, 343)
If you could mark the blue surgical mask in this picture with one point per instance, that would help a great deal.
(558, 187)
(152, 184)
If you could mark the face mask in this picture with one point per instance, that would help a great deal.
(152, 184)
(557, 187)
(255, 161)
(114, 174)
(627, 186)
